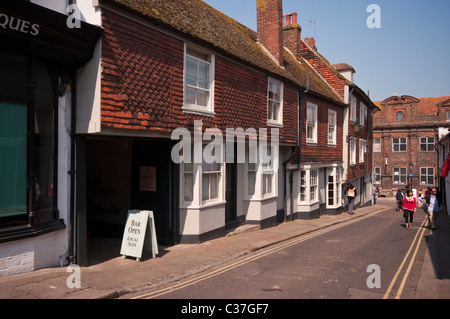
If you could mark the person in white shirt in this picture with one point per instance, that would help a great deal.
(433, 201)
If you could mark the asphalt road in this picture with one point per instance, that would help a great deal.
(373, 257)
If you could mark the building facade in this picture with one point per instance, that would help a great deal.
(39, 60)
(180, 110)
(406, 134)
(357, 123)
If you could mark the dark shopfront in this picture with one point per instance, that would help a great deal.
(39, 56)
(122, 174)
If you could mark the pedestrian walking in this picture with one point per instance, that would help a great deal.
(351, 194)
(409, 208)
(399, 196)
(433, 201)
(420, 198)
(376, 193)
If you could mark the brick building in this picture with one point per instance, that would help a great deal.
(357, 121)
(163, 66)
(172, 63)
(406, 133)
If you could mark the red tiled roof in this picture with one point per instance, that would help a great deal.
(208, 25)
(428, 105)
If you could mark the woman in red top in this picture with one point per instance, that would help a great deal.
(409, 208)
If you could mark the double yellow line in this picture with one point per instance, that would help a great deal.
(416, 243)
(257, 256)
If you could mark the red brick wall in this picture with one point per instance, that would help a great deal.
(270, 26)
(142, 85)
(142, 76)
(365, 133)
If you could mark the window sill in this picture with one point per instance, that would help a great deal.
(14, 234)
(198, 111)
(274, 124)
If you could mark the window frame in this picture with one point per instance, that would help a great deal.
(362, 150)
(377, 175)
(42, 81)
(194, 53)
(333, 127)
(352, 148)
(334, 193)
(427, 176)
(308, 190)
(311, 123)
(427, 144)
(399, 144)
(377, 146)
(401, 176)
(271, 99)
(362, 114)
(353, 109)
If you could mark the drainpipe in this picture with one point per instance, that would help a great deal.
(72, 171)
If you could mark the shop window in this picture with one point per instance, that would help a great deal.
(28, 139)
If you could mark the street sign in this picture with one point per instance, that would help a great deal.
(139, 235)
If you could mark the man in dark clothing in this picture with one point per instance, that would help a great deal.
(433, 200)
(399, 196)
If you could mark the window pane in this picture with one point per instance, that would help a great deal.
(13, 159)
(251, 183)
(267, 183)
(190, 95)
(202, 98)
(188, 187)
(44, 152)
(213, 180)
(205, 187)
(191, 71)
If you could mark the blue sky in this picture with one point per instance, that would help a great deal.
(408, 55)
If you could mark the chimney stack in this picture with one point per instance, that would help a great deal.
(292, 33)
(270, 26)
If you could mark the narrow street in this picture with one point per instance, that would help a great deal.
(339, 262)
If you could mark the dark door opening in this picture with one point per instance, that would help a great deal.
(230, 195)
(151, 184)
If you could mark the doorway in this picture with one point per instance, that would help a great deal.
(115, 176)
(231, 195)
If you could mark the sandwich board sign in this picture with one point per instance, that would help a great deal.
(139, 235)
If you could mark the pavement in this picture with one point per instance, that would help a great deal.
(118, 277)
